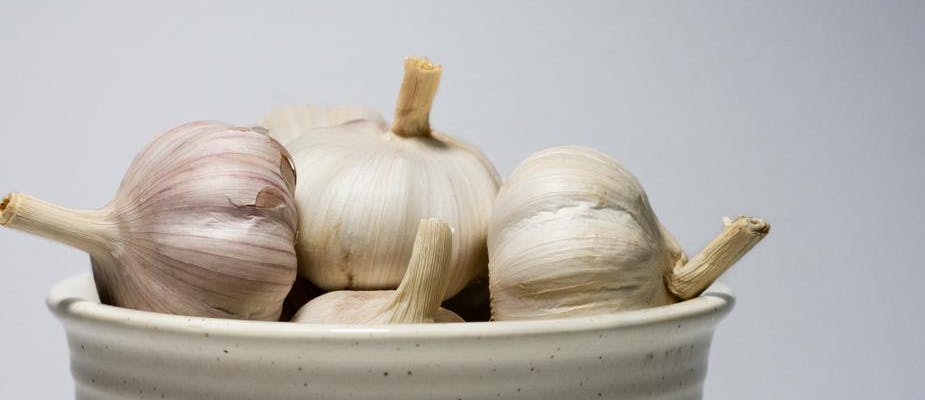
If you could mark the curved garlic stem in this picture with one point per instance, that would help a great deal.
(421, 291)
(738, 237)
(90, 231)
(412, 113)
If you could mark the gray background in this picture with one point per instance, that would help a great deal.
(811, 114)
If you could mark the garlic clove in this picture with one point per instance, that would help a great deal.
(203, 224)
(572, 233)
(363, 188)
(417, 299)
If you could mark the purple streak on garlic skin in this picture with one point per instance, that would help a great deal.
(203, 224)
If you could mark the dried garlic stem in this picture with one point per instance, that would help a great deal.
(412, 113)
(90, 231)
(738, 237)
(421, 291)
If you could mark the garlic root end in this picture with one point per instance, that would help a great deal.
(737, 238)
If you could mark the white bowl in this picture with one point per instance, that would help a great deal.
(117, 353)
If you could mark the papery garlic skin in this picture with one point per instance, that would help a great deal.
(203, 224)
(416, 300)
(361, 193)
(572, 233)
(362, 189)
(290, 122)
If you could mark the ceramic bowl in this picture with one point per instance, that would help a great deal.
(117, 353)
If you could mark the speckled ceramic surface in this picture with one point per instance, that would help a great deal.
(659, 353)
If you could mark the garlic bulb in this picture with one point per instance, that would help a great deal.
(290, 122)
(363, 187)
(572, 233)
(417, 299)
(203, 224)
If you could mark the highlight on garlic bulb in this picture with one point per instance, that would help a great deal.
(363, 187)
(417, 299)
(203, 224)
(572, 233)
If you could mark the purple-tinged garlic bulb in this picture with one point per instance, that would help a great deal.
(203, 224)
(417, 299)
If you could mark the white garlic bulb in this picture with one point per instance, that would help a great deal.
(417, 299)
(572, 233)
(203, 224)
(363, 187)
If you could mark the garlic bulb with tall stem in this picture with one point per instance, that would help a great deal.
(203, 224)
(363, 186)
(572, 233)
(417, 299)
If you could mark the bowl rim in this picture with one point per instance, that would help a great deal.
(72, 299)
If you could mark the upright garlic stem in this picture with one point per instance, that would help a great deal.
(421, 291)
(412, 113)
(738, 237)
(90, 231)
